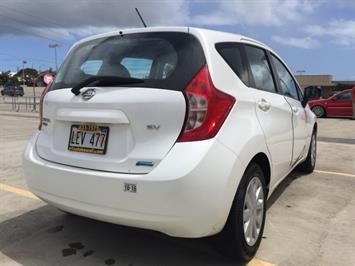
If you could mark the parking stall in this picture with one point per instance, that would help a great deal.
(309, 217)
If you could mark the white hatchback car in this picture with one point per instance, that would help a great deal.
(181, 130)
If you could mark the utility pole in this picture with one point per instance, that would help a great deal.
(55, 46)
(23, 71)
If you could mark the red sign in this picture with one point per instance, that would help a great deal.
(48, 78)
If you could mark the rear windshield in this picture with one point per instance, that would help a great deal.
(166, 60)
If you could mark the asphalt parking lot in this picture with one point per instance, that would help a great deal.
(310, 218)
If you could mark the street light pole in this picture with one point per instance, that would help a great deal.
(55, 46)
(23, 71)
(301, 72)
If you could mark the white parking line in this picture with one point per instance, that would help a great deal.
(333, 173)
(257, 262)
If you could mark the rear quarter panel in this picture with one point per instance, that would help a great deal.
(241, 132)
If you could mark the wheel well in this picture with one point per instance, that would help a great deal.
(262, 160)
(317, 105)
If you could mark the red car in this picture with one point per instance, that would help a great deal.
(338, 105)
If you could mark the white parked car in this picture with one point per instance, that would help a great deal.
(181, 130)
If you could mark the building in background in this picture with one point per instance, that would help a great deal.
(324, 82)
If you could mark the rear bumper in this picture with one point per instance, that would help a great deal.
(189, 194)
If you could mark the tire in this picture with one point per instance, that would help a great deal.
(318, 111)
(233, 241)
(308, 165)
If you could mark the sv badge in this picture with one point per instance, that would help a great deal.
(153, 127)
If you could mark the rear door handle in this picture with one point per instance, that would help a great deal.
(264, 105)
(294, 109)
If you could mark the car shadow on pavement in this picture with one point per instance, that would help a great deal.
(47, 236)
(282, 186)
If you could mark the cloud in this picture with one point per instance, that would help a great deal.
(256, 12)
(65, 18)
(68, 19)
(305, 43)
(341, 32)
(344, 3)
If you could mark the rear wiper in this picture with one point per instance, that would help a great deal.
(105, 81)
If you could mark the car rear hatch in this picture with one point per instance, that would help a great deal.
(125, 127)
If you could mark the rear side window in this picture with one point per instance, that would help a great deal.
(260, 68)
(344, 96)
(165, 60)
(232, 54)
(287, 84)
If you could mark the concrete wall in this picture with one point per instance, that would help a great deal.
(29, 90)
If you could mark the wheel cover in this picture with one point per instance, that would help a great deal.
(313, 150)
(318, 111)
(253, 211)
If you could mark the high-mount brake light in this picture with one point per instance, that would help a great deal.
(207, 108)
(41, 106)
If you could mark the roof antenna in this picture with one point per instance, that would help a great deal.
(140, 17)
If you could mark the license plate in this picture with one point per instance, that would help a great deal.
(88, 138)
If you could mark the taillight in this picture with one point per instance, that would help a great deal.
(41, 107)
(207, 108)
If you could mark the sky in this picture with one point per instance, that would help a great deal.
(315, 36)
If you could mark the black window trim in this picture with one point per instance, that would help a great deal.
(299, 92)
(245, 62)
(244, 59)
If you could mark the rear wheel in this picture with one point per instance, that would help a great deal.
(318, 111)
(243, 231)
(308, 165)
